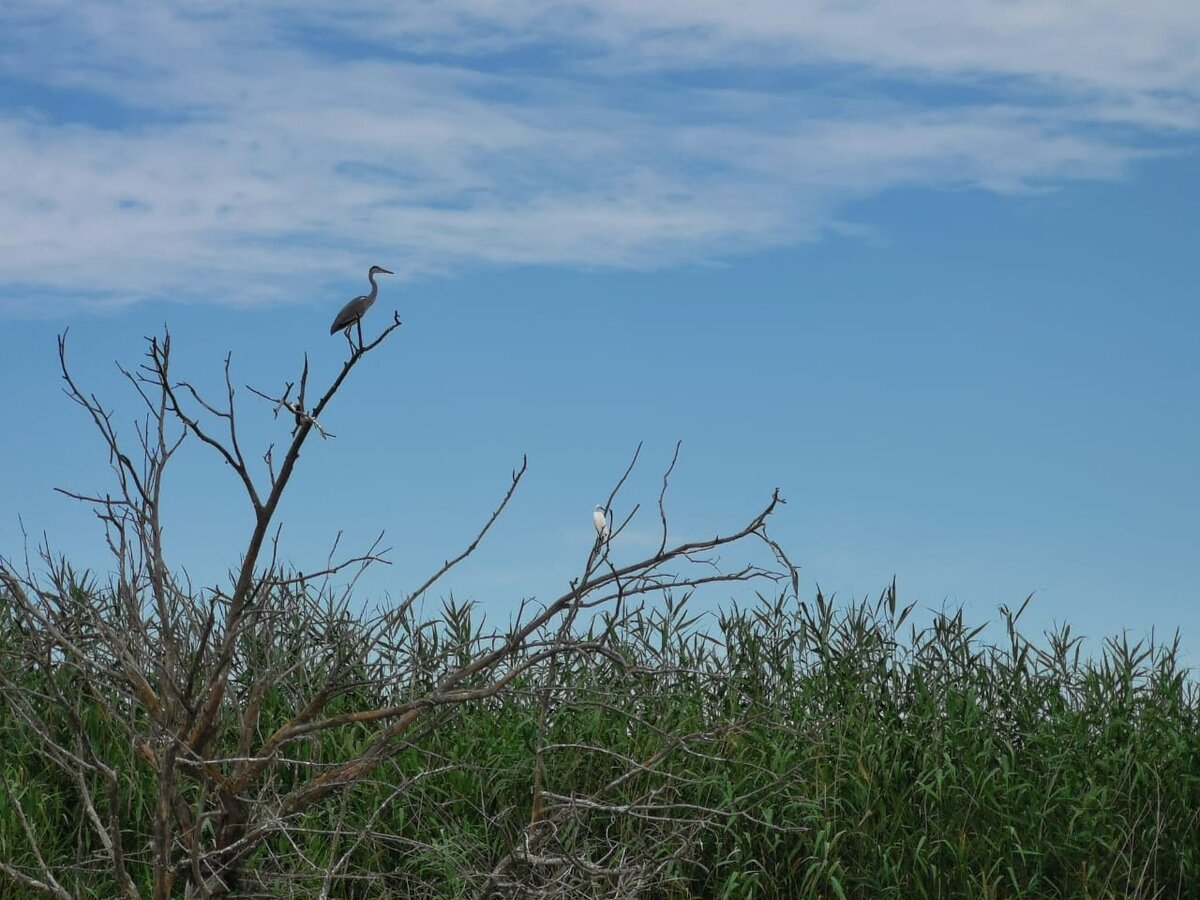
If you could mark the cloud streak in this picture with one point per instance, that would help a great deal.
(241, 156)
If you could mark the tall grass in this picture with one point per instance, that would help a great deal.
(845, 752)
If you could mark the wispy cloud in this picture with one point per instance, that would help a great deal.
(242, 155)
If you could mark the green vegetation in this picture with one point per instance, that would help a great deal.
(782, 749)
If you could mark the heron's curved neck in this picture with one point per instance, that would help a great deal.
(374, 286)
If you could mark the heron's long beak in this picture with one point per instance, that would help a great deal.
(386, 271)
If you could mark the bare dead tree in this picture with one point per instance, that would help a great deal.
(222, 694)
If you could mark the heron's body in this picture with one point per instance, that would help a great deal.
(600, 520)
(353, 311)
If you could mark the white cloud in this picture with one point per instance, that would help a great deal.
(248, 156)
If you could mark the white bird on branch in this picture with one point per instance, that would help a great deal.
(600, 520)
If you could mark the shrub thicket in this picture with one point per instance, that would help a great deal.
(827, 751)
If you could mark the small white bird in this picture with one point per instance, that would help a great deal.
(600, 521)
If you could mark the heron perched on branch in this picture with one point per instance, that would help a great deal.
(352, 312)
(600, 520)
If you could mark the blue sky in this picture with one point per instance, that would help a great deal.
(926, 267)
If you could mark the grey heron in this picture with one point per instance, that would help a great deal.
(600, 520)
(352, 312)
